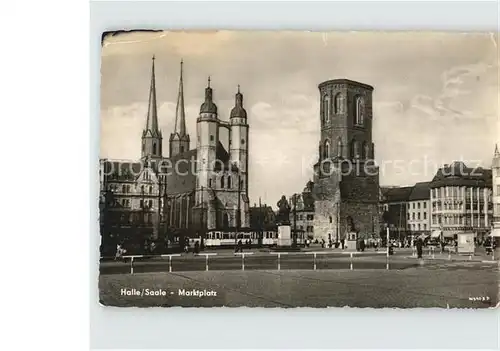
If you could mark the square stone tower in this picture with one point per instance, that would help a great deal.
(346, 179)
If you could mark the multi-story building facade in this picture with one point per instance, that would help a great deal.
(394, 204)
(419, 209)
(495, 168)
(302, 213)
(461, 200)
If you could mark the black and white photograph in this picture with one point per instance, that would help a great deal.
(285, 169)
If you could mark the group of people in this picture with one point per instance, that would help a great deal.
(239, 245)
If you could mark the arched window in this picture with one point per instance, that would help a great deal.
(326, 108)
(182, 149)
(210, 183)
(150, 189)
(222, 182)
(124, 189)
(331, 219)
(143, 146)
(354, 149)
(366, 149)
(339, 103)
(154, 148)
(360, 110)
(339, 147)
(225, 221)
(326, 149)
(229, 182)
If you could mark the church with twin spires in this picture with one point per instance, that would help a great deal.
(194, 189)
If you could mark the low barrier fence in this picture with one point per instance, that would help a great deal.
(448, 251)
(243, 255)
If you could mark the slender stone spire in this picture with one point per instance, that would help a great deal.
(152, 117)
(497, 154)
(179, 139)
(180, 115)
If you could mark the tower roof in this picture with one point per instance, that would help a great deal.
(496, 158)
(151, 128)
(180, 114)
(208, 106)
(238, 110)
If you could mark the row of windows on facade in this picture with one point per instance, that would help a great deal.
(424, 205)
(212, 138)
(458, 191)
(127, 188)
(225, 183)
(301, 217)
(418, 216)
(338, 107)
(460, 220)
(417, 227)
(142, 204)
(453, 206)
(136, 218)
(356, 151)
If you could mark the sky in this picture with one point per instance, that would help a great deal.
(435, 99)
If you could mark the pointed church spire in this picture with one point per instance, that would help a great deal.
(497, 154)
(179, 139)
(180, 116)
(152, 117)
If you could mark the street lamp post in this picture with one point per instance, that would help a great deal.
(238, 213)
(294, 220)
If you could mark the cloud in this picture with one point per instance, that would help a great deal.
(435, 94)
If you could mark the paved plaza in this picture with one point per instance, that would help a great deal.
(454, 284)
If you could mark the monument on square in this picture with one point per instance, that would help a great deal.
(283, 222)
(352, 235)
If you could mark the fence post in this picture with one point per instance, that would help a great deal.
(132, 265)
(387, 262)
(351, 262)
(413, 251)
(170, 263)
(206, 262)
(449, 253)
(314, 261)
(279, 266)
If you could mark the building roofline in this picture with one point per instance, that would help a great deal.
(345, 81)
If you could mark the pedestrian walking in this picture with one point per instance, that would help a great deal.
(419, 247)
(196, 248)
(362, 245)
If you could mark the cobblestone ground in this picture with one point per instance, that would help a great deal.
(442, 285)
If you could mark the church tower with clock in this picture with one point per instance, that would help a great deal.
(346, 179)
